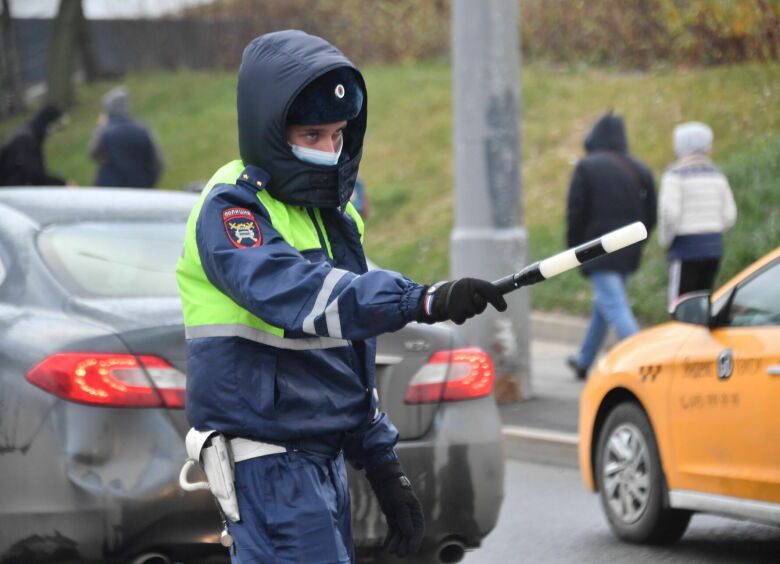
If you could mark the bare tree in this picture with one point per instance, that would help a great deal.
(11, 98)
(70, 37)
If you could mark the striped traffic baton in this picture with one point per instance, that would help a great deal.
(574, 257)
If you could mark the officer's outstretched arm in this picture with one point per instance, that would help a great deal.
(247, 259)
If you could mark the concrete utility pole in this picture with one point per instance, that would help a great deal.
(488, 240)
(11, 98)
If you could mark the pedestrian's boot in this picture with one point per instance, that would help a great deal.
(579, 372)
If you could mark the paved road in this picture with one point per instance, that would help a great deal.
(548, 516)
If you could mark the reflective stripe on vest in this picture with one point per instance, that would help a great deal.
(260, 336)
(210, 313)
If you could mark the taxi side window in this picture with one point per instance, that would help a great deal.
(757, 301)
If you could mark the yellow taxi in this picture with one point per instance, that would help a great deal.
(685, 416)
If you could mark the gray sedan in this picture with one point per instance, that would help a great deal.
(92, 378)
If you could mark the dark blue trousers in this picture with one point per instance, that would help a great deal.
(294, 509)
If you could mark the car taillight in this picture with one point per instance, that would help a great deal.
(115, 380)
(452, 375)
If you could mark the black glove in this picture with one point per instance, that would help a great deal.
(405, 521)
(458, 300)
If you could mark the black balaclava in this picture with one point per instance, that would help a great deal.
(275, 68)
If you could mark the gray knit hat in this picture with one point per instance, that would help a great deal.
(692, 137)
(116, 102)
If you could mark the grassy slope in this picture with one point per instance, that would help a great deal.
(408, 158)
(191, 114)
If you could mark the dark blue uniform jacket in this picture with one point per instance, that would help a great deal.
(317, 382)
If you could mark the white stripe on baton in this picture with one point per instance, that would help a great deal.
(572, 258)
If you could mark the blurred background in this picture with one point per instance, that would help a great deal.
(655, 62)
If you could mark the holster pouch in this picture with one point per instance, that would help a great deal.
(211, 451)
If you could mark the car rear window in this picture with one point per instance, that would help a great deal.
(114, 258)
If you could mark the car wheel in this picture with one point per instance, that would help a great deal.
(631, 482)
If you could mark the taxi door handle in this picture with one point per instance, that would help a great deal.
(773, 370)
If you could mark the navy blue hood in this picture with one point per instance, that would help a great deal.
(607, 134)
(274, 68)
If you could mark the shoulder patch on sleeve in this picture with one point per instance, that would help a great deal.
(242, 228)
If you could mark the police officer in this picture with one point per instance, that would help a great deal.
(281, 313)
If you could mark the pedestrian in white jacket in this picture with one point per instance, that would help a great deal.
(695, 207)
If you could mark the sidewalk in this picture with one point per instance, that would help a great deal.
(544, 427)
(555, 391)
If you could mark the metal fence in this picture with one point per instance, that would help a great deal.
(129, 45)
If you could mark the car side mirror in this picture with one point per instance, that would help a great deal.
(693, 308)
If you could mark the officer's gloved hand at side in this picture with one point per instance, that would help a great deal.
(402, 509)
(458, 300)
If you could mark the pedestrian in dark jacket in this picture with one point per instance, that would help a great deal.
(281, 312)
(125, 150)
(21, 158)
(609, 189)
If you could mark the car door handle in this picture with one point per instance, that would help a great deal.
(773, 370)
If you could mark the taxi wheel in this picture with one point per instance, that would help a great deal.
(631, 481)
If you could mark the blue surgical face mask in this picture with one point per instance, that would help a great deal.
(317, 157)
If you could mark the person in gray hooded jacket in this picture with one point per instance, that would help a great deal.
(125, 150)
